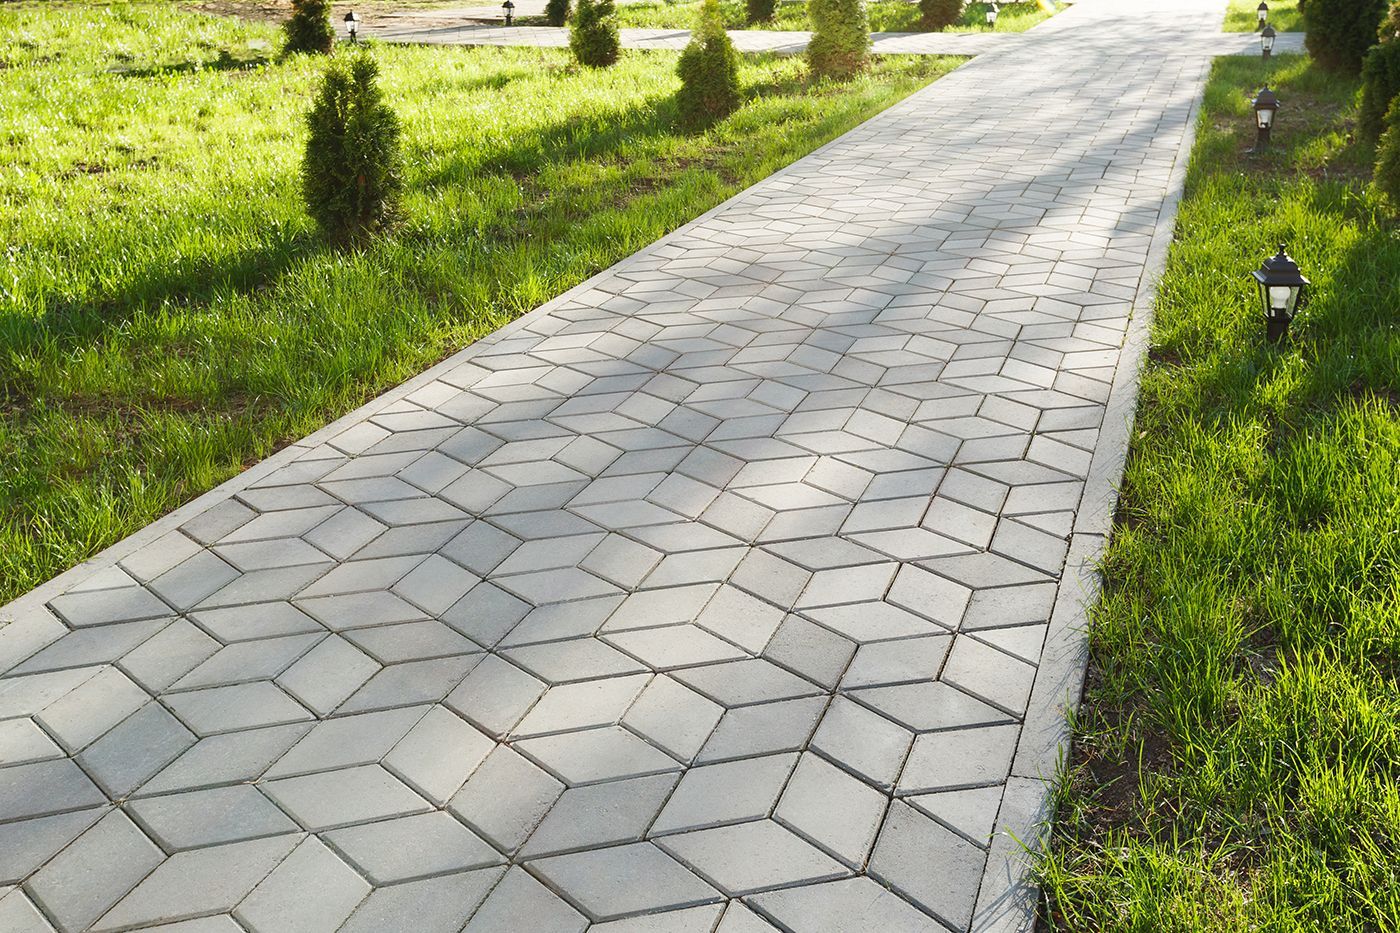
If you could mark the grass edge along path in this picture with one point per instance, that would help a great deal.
(1237, 756)
(1243, 16)
(167, 315)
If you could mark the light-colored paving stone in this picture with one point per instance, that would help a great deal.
(737, 588)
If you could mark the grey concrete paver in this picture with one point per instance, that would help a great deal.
(735, 572)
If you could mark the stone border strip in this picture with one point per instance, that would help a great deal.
(1009, 898)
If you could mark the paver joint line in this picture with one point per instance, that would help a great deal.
(752, 568)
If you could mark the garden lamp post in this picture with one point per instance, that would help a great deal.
(1283, 291)
(1266, 41)
(1263, 13)
(1265, 106)
(509, 7)
(992, 16)
(352, 26)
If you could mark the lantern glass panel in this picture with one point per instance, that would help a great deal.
(1266, 118)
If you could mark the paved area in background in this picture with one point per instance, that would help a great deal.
(723, 593)
(465, 27)
(745, 40)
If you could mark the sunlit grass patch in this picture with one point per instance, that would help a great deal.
(1237, 765)
(168, 314)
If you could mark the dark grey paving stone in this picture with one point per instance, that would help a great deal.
(132, 752)
(624, 880)
(599, 815)
(102, 607)
(209, 817)
(240, 706)
(728, 792)
(411, 847)
(838, 906)
(27, 844)
(750, 857)
(226, 759)
(933, 867)
(94, 872)
(98, 645)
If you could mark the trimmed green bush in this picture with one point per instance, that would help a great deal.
(1380, 83)
(593, 33)
(1390, 26)
(1388, 158)
(352, 172)
(1341, 31)
(760, 11)
(556, 12)
(709, 71)
(310, 29)
(840, 45)
(937, 15)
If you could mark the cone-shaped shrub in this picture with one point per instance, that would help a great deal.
(351, 175)
(310, 29)
(556, 12)
(937, 15)
(840, 45)
(760, 10)
(1390, 26)
(593, 33)
(1388, 160)
(709, 71)
(1340, 31)
(1380, 83)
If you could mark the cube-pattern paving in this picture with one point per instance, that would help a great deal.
(711, 596)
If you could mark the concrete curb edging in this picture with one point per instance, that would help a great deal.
(1008, 899)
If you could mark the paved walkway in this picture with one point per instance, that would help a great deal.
(467, 29)
(737, 589)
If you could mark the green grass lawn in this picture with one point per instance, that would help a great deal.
(167, 313)
(1243, 16)
(1238, 757)
(885, 16)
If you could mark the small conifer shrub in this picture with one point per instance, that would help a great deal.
(709, 71)
(352, 171)
(1339, 32)
(760, 11)
(556, 12)
(593, 33)
(310, 29)
(937, 15)
(1380, 83)
(840, 44)
(1387, 175)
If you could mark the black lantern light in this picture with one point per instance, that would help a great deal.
(1283, 291)
(991, 16)
(509, 7)
(352, 26)
(1266, 41)
(1265, 106)
(1263, 13)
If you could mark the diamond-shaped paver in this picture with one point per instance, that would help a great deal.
(750, 857)
(624, 880)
